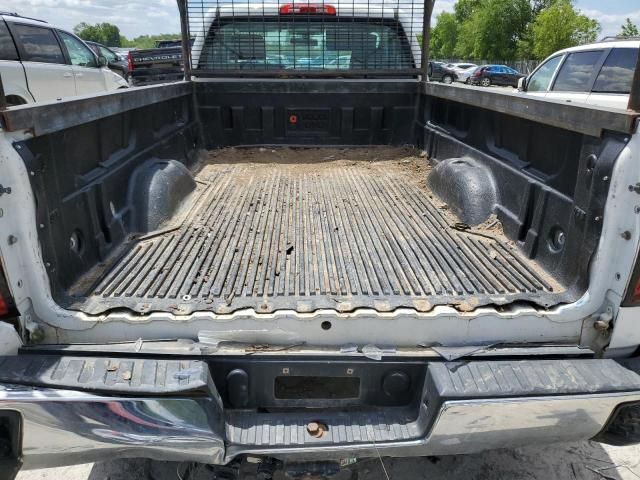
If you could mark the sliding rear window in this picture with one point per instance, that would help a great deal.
(306, 44)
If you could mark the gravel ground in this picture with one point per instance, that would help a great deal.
(586, 460)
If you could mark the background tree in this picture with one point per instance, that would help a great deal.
(148, 41)
(538, 5)
(87, 32)
(493, 29)
(109, 35)
(498, 30)
(629, 29)
(444, 36)
(561, 26)
(463, 9)
(104, 33)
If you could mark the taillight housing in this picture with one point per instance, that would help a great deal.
(477, 73)
(4, 306)
(307, 9)
(7, 306)
(632, 297)
(636, 292)
(129, 63)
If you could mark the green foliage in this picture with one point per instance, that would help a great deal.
(493, 29)
(538, 5)
(104, 33)
(512, 29)
(148, 41)
(561, 26)
(463, 9)
(109, 35)
(444, 36)
(629, 29)
(524, 46)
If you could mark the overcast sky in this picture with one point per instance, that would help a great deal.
(137, 17)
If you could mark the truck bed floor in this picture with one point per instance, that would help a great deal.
(270, 233)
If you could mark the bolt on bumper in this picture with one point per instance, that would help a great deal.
(503, 405)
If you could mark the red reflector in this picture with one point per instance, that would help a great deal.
(636, 291)
(4, 308)
(307, 9)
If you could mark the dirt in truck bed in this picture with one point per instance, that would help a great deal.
(305, 229)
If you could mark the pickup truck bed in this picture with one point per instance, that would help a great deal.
(440, 299)
(301, 196)
(302, 229)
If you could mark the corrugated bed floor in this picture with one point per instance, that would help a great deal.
(269, 233)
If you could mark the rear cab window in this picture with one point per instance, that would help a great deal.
(306, 44)
(616, 74)
(38, 44)
(8, 50)
(578, 71)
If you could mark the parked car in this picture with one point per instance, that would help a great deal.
(502, 75)
(176, 42)
(597, 74)
(122, 52)
(462, 70)
(114, 61)
(440, 72)
(39, 62)
(156, 65)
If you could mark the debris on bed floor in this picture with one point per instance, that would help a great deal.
(304, 229)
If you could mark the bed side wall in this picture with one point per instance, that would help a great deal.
(87, 180)
(547, 185)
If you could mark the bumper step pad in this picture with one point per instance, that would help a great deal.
(497, 379)
(446, 382)
(290, 430)
(108, 375)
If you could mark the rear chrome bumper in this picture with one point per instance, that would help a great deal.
(63, 427)
(464, 427)
(563, 402)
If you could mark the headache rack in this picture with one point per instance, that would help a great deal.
(361, 39)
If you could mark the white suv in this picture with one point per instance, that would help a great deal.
(39, 63)
(597, 74)
(463, 70)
